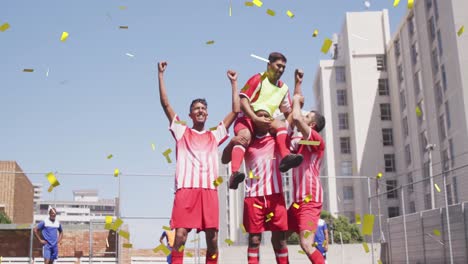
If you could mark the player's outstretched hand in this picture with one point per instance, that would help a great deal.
(232, 75)
(298, 75)
(162, 66)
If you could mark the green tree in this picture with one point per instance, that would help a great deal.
(4, 219)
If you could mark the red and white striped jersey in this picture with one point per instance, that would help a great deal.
(196, 155)
(262, 158)
(306, 177)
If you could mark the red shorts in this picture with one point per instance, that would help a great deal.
(195, 208)
(243, 122)
(305, 217)
(256, 219)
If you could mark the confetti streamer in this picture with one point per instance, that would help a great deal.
(410, 4)
(167, 228)
(123, 27)
(437, 187)
(315, 34)
(4, 27)
(358, 219)
(270, 12)
(210, 42)
(258, 206)
(368, 224)
(52, 180)
(110, 156)
(257, 3)
(326, 45)
(28, 70)
(116, 172)
(290, 14)
(64, 36)
(162, 248)
(259, 58)
(127, 245)
(124, 234)
(295, 205)
(108, 219)
(166, 154)
(228, 241)
(249, 4)
(436, 232)
(365, 246)
(309, 142)
(461, 30)
(395, 3)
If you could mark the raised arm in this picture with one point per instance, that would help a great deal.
(297, 116)
(298, 77)
(162, 92)
(229, 119)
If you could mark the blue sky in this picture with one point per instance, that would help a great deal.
(97, 101)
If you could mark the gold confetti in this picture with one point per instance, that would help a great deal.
(410, 4)
(127, 245)
(116, 172)
(326, 45)
(110, 156)
(4, 27)
(315, 34)
(108, 226)
(52, 180)
(309, 142)
(308, 198)
(162, 248)
(437, 187)
(123, 27)
(301, 252)
(295, 205)
(307, 234)
(290, 14)
(124, 234)
(379, 261)
(166, 154)
(379, 175)
(358, 219)
(270, 215)
(270, 12)
(365, 246)
(218, 181)
(210, 42)
(108, 219)
(64, 36)
(436, 232)
(368, 224)
(213, 128)
(188, 254)
(315, 244)
(258, 206)
(181, 248)
(28, 70)
(395, 3)
(243, 228)
(325, 243)
(228, 241)
(167, 228)
(214, 256)
(117, 224)
(180, 122)
(249, 4)
(122, 7)
(461, 30)
(153, 146)
(257, 3)
(418, 111)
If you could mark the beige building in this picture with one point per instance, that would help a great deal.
(16, 193)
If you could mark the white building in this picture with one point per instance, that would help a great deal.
(85, 206)
(37, 196)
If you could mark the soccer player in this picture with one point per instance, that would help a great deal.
(196, 198)
(52, 233)
(304, 213)
(170, 236)
(264, 205)
(321, 238)
(264, 91)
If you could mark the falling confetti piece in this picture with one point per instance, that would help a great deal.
(108, 226)
(64, 36)
(228, 241)
(188, 254)
(315, 34)
(295, 205)
(267, 220)
(130, 55)
(379, 175)
(436, 232)
(270, 215)
(122, 7)
(180, 122)
(368, 224)
(249, 4)
(270, 12)
(257, 3)
(307, 234)
(218, 181)
(108, 219)
(127, 245)
(4, 27)
(365, 246)
(309, 142)
(437, 187)
(379, 261)
(395, 3)
(162, 248)
(214, 256)
(259, 58)
(28, 70)
(124, 234)
(258, 206)
(358, 219)
(290, 14)
(167, 228)
(210, 42)
(308, 198)
(418, 111)
(243, 228)
(181, 248)
(117, 224)
(315, 244)
(410, 4)
(116, 172)
(301, 252)
(461, 30)
(110, 156)
(52, 180)
(123, 27)
(326, 45)
(153, 146)
(166, 154)
(230, 7)
(213, 128)
(325, 243)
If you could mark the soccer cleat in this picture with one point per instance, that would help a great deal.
(235, 179)
(290, 161)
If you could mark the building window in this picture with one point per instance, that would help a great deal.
(392, 193)
(385, 112)
(340, 74)
(449, 194)
(435, 61)
(411, 25)
(436, 10)
(417, 83)
(402, 100)
(414, 53)
(439, 43)
(412, 207)
(345, 145)
(452, 152)
(348, 192)
(387, 136)
(455, 189)
(432, 28)
(383, 87)
(408, 155)
(427, 201)
(445, 160)
(428, 4)
(396, 44)
(442, 130)
(341, 97)
(346, 168)
(447, 115)
(400, 73)
(438, 94)
(381, 63)
(393, 211)
(405, 126)
(343, 121)
(410, 183)
(444, 77)
(389, 160)
(423, 141)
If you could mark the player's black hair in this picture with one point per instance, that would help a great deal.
(198, 100)
(274, 56)
(319, 120)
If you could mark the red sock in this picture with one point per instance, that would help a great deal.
(282, 256)
(253, 255)
(281, 137)
(177, 256)
(212, 259)
(237, 156)
(317, 257)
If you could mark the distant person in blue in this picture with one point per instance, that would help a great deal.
(170, 236)
(321, 238)
(52, 233)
